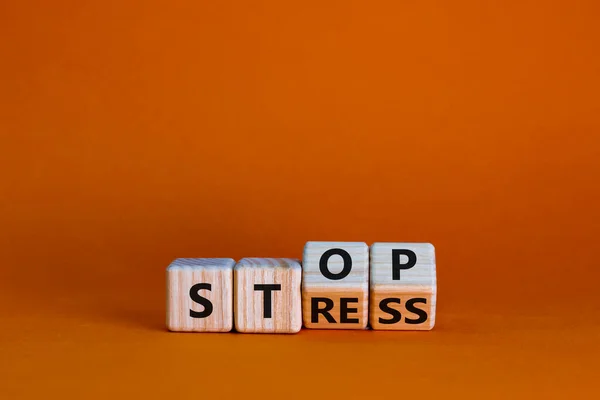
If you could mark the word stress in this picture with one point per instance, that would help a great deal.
(337, 285)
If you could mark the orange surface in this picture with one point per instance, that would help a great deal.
(136, 132)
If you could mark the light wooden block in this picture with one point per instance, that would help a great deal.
(200, 295)
(267, 295)
(335, 280)
(403, 286)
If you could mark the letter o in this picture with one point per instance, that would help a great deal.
(323, 264)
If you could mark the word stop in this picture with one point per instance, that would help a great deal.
(338, 285)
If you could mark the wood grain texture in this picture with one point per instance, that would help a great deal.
(286, 304)
(182, 275)
(353, 286)
(417, 282)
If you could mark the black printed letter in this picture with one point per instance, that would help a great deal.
(325, 259)
(195, 296)
(315, 310)
(344, 310)
(267, 296)
(383, 306)
(410, 307)
(396, 266)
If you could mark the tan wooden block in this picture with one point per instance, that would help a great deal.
(335, 285)
(267, 295)
(200, 295)
(403, 286)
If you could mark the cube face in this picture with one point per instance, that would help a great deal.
(403, 286)
(200, 295)
(267, 295)
(335, 286)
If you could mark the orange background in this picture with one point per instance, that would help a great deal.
(133, 133)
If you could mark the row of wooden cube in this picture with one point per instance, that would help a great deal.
(338, 286)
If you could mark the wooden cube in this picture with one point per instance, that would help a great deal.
(403, 286)
(267, 295)
(200, 295)
(335, 285)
